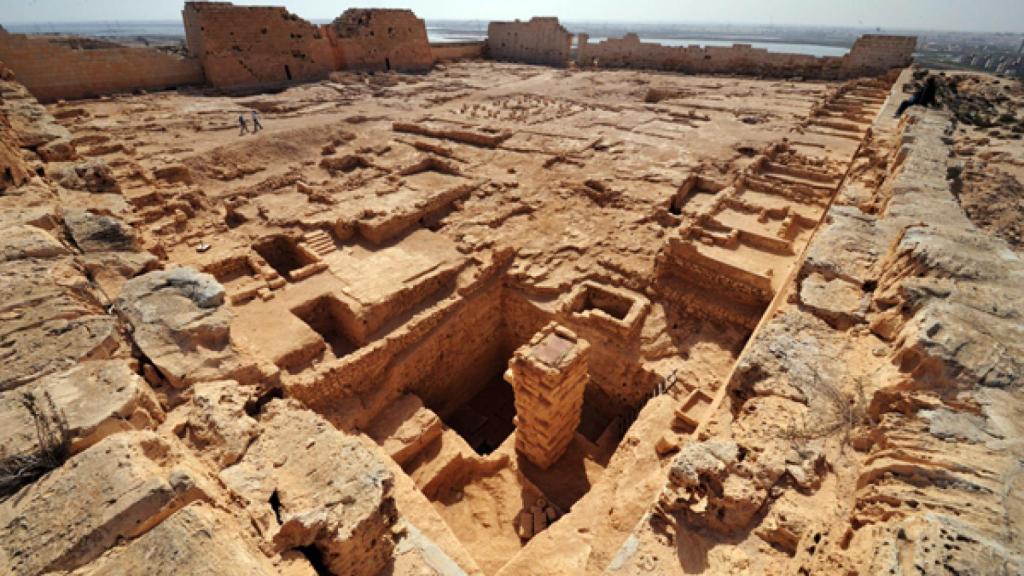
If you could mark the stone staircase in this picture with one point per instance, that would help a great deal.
(319, 242)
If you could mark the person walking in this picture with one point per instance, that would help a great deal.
(256, 125)
(244, 128)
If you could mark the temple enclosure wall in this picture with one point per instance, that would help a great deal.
(54, 71)
(249, 47)
(874, 52)
(258, 47)
(243, 46)
(871, 55)
(373, 40)
(540, 41)
(448, 51)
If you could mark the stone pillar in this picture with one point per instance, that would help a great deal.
(548, 376)
(583, 39)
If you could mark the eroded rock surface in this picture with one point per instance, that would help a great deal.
(896, 369)
(180, 323)
(197, 539)
(116, 489)
(310, 485)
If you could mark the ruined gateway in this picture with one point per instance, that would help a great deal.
(501, 317)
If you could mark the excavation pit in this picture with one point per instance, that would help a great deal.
(284, 255)
(334, 322)
(404, 333)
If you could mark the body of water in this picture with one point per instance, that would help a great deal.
(789, 48)
(448, 32)
(113, 29)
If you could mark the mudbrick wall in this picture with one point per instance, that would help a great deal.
(249, 47)
(243, 46)
(539, 41)
(893, 368)
(447, 51)
(871, 55)
(54, 71)
(380, 40)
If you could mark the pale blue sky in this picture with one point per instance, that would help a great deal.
(964, 15)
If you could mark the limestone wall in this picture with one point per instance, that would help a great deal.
(540, 41)
(262, 46)
(871, 55)
(448, 51)
(54, 71)
(380, 40)
(254, 46)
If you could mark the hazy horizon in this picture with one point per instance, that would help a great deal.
(989, 16)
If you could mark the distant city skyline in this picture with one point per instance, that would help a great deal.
(945, 15)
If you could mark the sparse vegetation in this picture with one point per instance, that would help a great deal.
(54, 442)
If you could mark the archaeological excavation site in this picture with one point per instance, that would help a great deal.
(330, 299)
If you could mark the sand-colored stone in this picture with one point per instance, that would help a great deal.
(548, 375)
(181, 324)
(118, 488)
(310, 485)
(538, 41)
(96, 399)
(197, 539)
(800, 313)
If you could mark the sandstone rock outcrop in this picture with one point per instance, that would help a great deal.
(307, 484)
(93, 399)
(116, 489)
(181, 324)
(217, 425)
(91, 176)
(198, 539)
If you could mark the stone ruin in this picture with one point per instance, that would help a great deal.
(502, 318)
(244, 46)
(548, 377)
(541, 41)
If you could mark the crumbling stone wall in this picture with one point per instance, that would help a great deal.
(448, 51)
(540, 41)
(53, 70)
(261, 46)
(254, 46)
(373, 40)
(549, 376)
(871, 55)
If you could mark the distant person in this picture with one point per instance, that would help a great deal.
(925, 96)
(241, 123)
(256, 126)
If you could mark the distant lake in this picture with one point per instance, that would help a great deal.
(446, 32)
(808, 49)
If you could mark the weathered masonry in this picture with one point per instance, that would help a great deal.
(543, 41)
(243, 46)
(54, 68)
(246, 46)
(380, 40)
(539, 41)
(871, 55)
